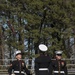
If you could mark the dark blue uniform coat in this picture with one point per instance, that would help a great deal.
(43, 62)
(59, 66)
(18, 65)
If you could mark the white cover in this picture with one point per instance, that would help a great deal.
(17, 52)
(43, 47)
(58, 52)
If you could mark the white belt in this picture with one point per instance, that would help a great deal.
(43, 68)
(18, 72)
(58, 71)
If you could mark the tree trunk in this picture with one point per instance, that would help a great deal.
(1, 46)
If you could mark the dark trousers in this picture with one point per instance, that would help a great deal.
(44, 72)
(58, 74)
(18, 74)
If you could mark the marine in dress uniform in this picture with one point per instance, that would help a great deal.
(18, 66)
(59, 65)
(43, 62)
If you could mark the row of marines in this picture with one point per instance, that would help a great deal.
(43, 64)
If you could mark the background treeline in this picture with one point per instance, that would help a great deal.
(24, 24)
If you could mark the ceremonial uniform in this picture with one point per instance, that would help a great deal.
(59, 66)
(43, 64)
(18, 67)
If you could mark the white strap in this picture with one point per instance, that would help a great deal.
(58, 71)
(18, 72)
(43, 68)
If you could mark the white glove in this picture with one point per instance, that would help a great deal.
(13, 74)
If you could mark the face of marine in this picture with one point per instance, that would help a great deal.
(19, 56)
(58, 57)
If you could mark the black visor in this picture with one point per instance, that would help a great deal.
(59, 54)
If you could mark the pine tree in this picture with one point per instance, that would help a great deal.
(31, 22)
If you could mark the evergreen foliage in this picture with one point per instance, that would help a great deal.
(31, 22)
